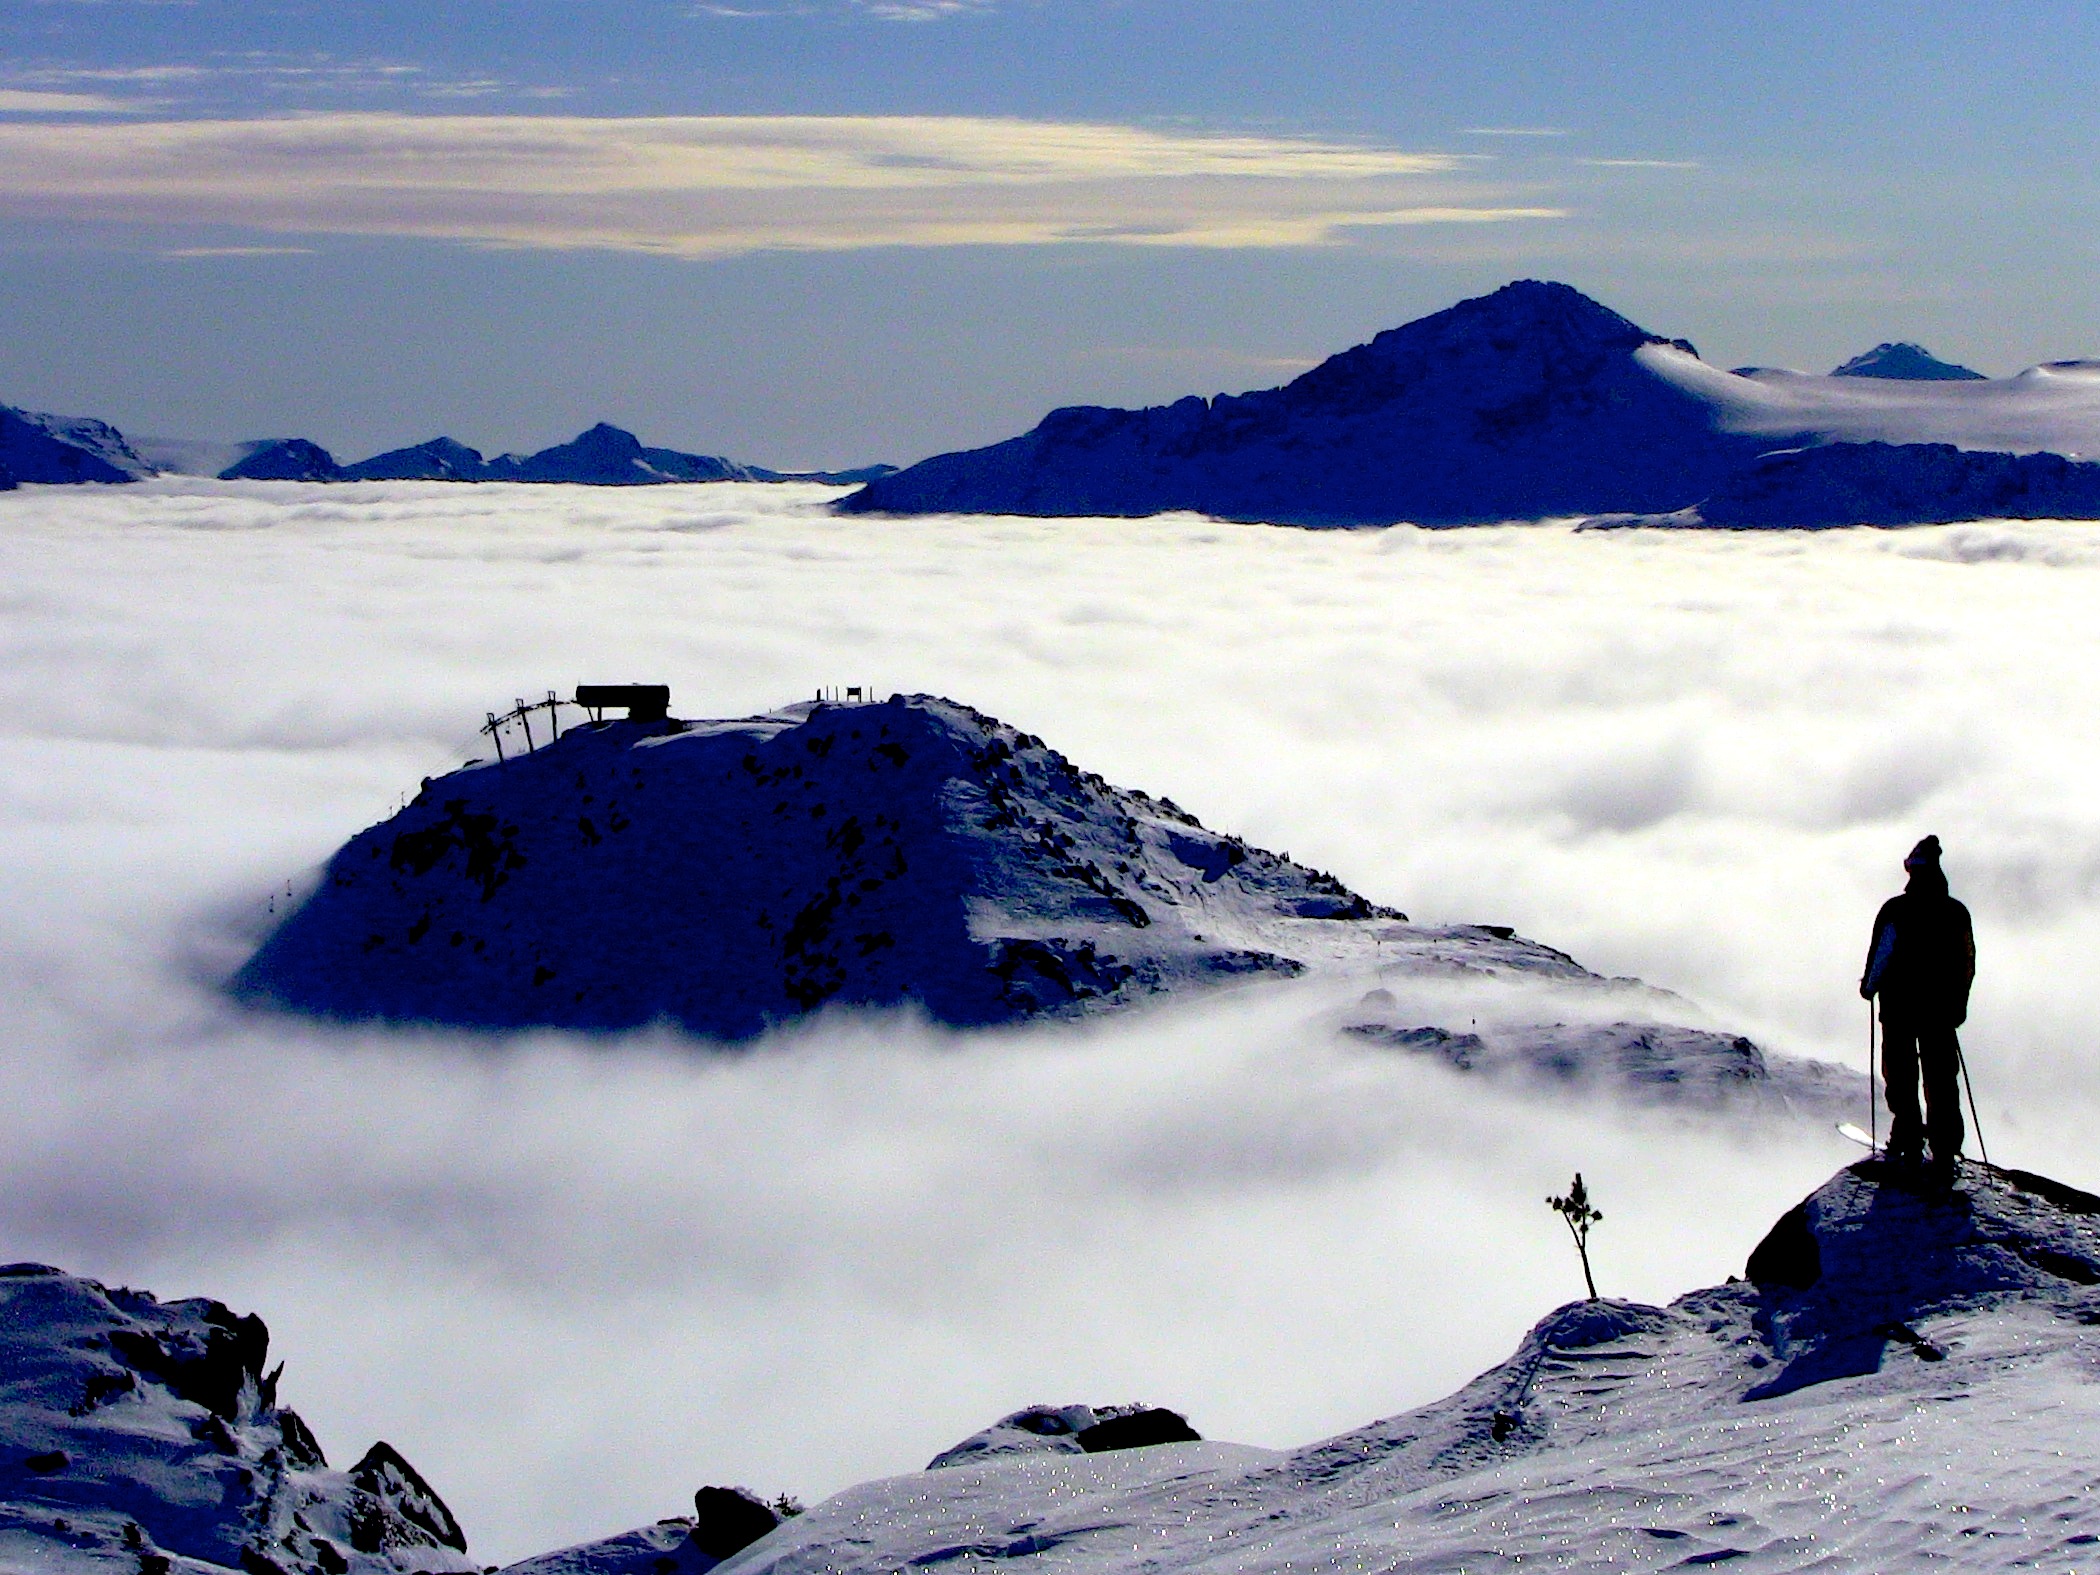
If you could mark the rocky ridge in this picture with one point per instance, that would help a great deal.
(146, 1437)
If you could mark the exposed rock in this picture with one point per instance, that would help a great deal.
(1143, 1428)
(1068, 1430)
(727, 1520)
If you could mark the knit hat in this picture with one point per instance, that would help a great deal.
(1925, 854)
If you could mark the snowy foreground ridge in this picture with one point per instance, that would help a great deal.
(1903, 1380)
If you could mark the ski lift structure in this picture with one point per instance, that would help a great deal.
(847, 694)
(642, 702)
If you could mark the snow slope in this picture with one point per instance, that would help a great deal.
(145, 1437)
(1905, 1380)
(1533, 401)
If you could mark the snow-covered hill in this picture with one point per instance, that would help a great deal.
(145, 1437)
(1905, 1380)
(733, 874)
(1532, 401)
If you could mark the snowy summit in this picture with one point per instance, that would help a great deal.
(730, 875)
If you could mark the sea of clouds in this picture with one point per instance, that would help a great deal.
(574, 1278)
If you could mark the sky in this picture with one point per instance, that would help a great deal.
(806, 232)
(574, 1277)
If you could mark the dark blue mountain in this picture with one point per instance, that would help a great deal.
(1907, 363)
(46, 448)
(1903, 484)
(606, 456)
(441, 459)
(284, 459)
(1532, 401)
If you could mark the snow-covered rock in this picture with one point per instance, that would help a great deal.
(1904, 1381)
(730, 875)
(1906, 362)
(1532, 401)
(145, 1436)
(1070, 1430)
(284, 459)
(46, 448)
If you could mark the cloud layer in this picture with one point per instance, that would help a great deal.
(574, 1278)
(712, 186)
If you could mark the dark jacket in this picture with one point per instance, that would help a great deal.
(1922, 958)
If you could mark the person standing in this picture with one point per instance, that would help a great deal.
(1921, 963)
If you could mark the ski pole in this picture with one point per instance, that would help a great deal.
(1873, 1102)
(1975, 1120)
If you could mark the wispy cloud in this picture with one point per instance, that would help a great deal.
(23, 101)
(1514, 131)
(1639, 164)
(238, 251)
(714, 186)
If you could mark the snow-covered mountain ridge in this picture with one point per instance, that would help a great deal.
(1530, 402)
(1904, 1380)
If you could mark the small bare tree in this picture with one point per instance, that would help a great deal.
(1575, 1210)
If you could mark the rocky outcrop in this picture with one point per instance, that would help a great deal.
(145, 1435)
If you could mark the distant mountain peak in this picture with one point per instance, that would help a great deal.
(1902, 361)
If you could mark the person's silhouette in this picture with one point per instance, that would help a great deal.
(1921, 963)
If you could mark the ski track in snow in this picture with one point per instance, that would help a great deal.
(571, 1279)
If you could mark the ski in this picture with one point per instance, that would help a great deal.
(1852, 1131)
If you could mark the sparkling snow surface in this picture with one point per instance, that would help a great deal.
(571, 1279)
